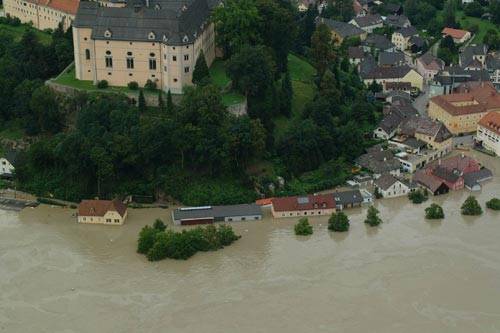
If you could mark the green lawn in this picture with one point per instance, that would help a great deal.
(231, 98)
(10, 131)
(484, 25)
(302, 74)
(17, 32)
(218, 74)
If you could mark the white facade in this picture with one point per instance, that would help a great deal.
(490, 139)
(111, 218)
(6, 168)
(397, 189)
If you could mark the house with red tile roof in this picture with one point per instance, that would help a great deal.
(43, 14)
(308, 205)
(460, 112)
(112, 212)
(459, 36)
(488, 132)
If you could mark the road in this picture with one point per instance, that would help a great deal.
(420, 103)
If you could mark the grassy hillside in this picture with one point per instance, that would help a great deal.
(17, 32)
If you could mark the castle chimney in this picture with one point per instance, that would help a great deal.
(147, 3)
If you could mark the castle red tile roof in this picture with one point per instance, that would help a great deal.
(482, 98)
(308, 202)
(491, 121)
(66, 6)
(454, 33)
(101, 207)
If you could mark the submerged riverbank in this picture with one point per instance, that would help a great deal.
(409, 275)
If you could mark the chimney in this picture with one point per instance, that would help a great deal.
(147, 3)
(463, 155)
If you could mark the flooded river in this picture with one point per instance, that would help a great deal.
(409, 275)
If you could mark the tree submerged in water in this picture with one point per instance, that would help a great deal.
(418, 196)
(471, 207)
(338, 222)
(158, 243)
(372, 217)
(434, 212)
(303, 228)
(493, 204)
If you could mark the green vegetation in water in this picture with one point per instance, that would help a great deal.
(418, 196)
(471, 207)
(493, 204)
(372, 218)
(303, 227)
(157, 243)
(434, 212)
(338, 222)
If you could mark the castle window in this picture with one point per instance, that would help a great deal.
(186, 69)
(186, 57)
(130, 63)
(174, 58)
(109, 61)
(152, 64)
(87, 54)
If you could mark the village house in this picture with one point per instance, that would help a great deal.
(488, 132)
(450, 78)
(401, 38)
(391, 59)
(377, 43)
(461, 111)
(428, 66)
(394, 8)
(379, 161)
(473, 57)
(473, 180)
(381, 75)
(348, 199)
(355, 54)
(43, 14)
(368, 22)
(397, 21)
(342, 30)
(394, 116)
(432, 132)
(493, 68)
(431, 183)
(8, 163)
(459, 36)
(211, 214)
(112, 212)
(391, 187)
(309, 205)
(152, 40)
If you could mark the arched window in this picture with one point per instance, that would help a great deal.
(87, 54)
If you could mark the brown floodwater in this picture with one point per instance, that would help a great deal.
(409, 275)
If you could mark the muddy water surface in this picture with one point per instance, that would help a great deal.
(409, 275)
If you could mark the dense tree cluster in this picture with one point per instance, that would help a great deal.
(24, 65)
(113, 149)
(418, 196)
(372, 218)
(434, 212)
(157, 243)
(338, 222)
(493, 204)
(341, 10)
(471, 207)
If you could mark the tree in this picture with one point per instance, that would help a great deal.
(159, 225)
(286, 95)
(493, 204)
(146, 239)
(375, 87)
(372, 217)
(322, 49)
(237, 23)
(434, 212)
(471, 207)
(46, 111)
(201, 74)
(417, 197)
(303, 228)
(338, 222)
(170, 103)
(307, 28)
(142, 101)
(449, 11)
(492, 39)
(251, 70)
(161, 103)
(495, 11)
(473, 9)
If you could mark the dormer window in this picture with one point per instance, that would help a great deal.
(151, 35)
(107, 33)
(185, 39)
(157, 6)
(165, 38)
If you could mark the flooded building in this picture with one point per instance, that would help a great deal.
(211, 214)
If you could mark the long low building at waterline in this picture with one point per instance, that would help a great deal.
(112, 212)
(211, 214)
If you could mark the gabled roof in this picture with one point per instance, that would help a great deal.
(368, 20)
(454, 33)
(408, 31)
(101, 207)
(491, 121)
(341, 28)
(378, 42)
(467, 55)
(427, 127)
(429, 181)
(473, 178)
(391, 58)
(348, 197)
(430, 62)
(385, 181)
(378, 161)
(11, 156)
(355, 52)
(397, 72)
(65, 6)
(397, 21)
(308, 202)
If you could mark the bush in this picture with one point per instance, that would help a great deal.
(471, 207)
(159, 225)
(147, 238)
(338, 222)
(418, 196)
(303, 228)
(434, 212)
(372, 217)
(493, 204)
(159, 245)
(103, 84)
(133, 85)
(150, 85)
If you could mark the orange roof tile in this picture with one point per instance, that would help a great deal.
(491, 121)
(66, 6)
(454, 33)
(101, 207)
(298, 203)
